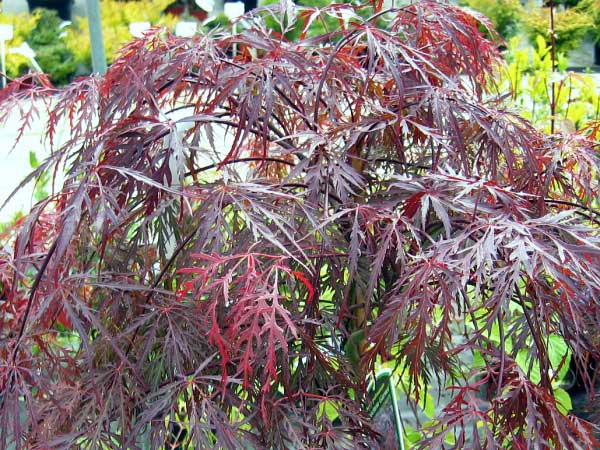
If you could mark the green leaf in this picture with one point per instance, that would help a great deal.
(329, 408)
(559, 352)
(33, 161)
(352, 347)
(523, 359)
(478, 360)
(563, 400)
(427, 403)
(411, 435)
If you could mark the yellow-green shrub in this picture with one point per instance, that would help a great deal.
(504, 14)
(592, 9)
(116, 18)
(529, 76)
(23, 24)
(570, 26)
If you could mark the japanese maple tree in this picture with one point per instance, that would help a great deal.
(249, 227)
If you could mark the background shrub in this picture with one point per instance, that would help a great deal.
(506, 15)
(116, 18)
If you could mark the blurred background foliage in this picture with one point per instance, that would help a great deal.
(328, 21)
(571, 26)
(505, 14)
(529, 75)
(64, 52)
(116, 18)
(51, 49)
(530, 79)
(573, 20)
(22, 24)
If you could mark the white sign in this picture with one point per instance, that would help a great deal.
(206, 5)
(6, 32)
(233, 10)
(137, 28)
(186, 29)
(23, 49)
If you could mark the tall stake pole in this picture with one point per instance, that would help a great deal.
(95, 24)
(6, 34)
(3, 50)
(553, 56)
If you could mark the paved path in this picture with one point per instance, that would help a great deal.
(15, 165)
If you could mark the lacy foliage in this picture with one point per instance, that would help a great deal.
(237, 206)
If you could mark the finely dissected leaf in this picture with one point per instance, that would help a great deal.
(250, 226)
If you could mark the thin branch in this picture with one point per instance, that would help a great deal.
(239, 160)
(577, 206)
(32, 291)
(553, 56)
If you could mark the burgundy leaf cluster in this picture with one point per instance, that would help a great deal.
(236, 208)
